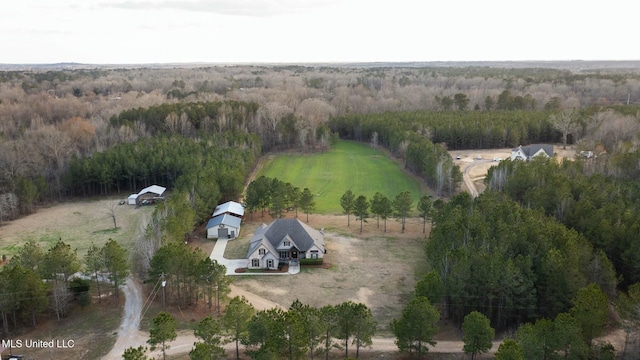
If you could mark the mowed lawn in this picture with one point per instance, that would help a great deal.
(348, 165)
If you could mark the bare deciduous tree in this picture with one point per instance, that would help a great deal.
(60, 299)
(565, 122)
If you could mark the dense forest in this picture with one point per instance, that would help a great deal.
(522, 252)
(50, 117)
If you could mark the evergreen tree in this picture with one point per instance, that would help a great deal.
(208, 330)
(235, 320)
(115, 263)
(509, 350)
(307, 203)
(402, 206)
(416, 327)
(163, 329)
(477, 334)
(361, 209)
(591, 311)
(424, 209)
(138, 353)
(347, 201)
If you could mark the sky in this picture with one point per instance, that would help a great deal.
(312, 31)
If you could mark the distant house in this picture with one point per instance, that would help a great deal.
(530, 151)
(282, 241)
(150, 193)
(223, 226)
(230, 208)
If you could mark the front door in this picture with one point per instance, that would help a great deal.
(294, 254)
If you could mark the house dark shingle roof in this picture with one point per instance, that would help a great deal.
(302, 234)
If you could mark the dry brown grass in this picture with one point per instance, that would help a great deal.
(376, 268)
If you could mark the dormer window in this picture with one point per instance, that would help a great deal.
(262, 251)
(287, 243)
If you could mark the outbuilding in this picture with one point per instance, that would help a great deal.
(231, 208)
(223, 226)
(150, 193)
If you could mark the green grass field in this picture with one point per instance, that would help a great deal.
(348, 165)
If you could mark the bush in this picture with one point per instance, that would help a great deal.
(311, 261)
(80, 288)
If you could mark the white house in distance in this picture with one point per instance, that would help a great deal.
(225, 221)
(153, 192)
(530, 151)
(284, 240)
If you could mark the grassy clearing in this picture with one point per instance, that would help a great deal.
(77, 223)
(349, 165)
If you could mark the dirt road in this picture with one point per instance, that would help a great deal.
(471, 187)
(129, 334)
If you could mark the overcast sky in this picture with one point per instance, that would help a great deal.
(164, 31)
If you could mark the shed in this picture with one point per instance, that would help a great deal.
(223, 226)
(132, 199)
(230, 208)
(152, 192)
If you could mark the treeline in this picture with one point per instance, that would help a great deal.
(603, 209)
(455, 129)
(189, 118)
(302, 331)
(383, 207)
(406, 138)
(569, 334)
(277, 196)
(211, 167)
(36, 280)
(511, 263)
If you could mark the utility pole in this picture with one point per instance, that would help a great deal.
(164, 283)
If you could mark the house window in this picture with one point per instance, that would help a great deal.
(283, 254)
(314, 254)
(255, 263)
(287, 243)
(270, 263)
(262, 251)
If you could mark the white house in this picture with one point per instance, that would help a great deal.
(528, 152)
(282, 241)
(223, 226)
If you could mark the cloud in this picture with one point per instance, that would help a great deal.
(252, 8)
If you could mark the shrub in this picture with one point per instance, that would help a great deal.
(311, 261)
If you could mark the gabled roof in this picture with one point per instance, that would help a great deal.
(304, 236)
(533, 149)
(225, 219)
(156, 189)
(231, 207)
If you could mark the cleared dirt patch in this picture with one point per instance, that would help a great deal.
(479, 161)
